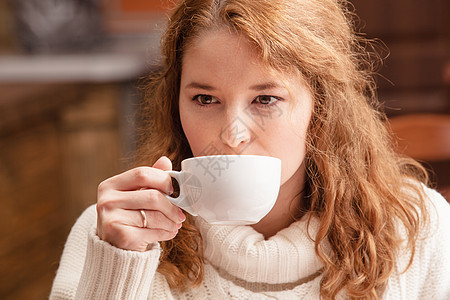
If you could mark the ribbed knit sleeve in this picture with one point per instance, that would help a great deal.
(93, 269)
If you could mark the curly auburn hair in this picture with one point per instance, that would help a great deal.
(356, 180)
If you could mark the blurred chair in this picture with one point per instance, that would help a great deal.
(425, 137)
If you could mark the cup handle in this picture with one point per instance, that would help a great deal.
(177, 201)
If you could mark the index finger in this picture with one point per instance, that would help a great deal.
(140, 178)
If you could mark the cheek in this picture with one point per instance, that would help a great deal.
(197, 136)
(290, 145)
(189, 130)
(292, 154)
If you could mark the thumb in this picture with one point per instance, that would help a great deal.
(163, 163)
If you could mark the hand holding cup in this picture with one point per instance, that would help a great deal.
(134, 208)
(122, 198)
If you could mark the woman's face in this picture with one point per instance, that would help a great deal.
(231, 104)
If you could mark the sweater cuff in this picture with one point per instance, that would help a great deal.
(110, 272)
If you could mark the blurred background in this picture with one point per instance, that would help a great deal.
(68, 99)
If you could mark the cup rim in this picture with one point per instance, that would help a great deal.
(231, 156)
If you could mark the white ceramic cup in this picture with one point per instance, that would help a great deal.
(228, 189)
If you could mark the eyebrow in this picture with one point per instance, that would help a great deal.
(266, 86)
(257, 87)
(196, 85)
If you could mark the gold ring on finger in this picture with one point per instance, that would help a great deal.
(144, 218)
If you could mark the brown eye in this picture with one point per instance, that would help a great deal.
(266, 100)
(204, 99)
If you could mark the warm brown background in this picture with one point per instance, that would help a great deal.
(58, 141)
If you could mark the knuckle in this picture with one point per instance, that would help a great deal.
(154, 197)
(104, 203)
(103, 196)
(153, 194)
(101, 206)
(141, 174)
(103, 186)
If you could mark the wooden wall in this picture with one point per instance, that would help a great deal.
(57, 143)
(415, 76)
(417, 35)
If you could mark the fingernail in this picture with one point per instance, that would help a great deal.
(181, 216)
(170, 192)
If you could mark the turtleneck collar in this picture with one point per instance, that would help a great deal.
(242, 252)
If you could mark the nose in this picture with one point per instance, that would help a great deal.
(236, 132)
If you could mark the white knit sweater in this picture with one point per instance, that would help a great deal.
(241, 264)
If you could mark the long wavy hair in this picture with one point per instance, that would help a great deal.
(358, 186)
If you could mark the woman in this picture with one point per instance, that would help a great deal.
(288, 79)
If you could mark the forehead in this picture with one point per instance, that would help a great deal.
(220, 44)
(229, 53)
